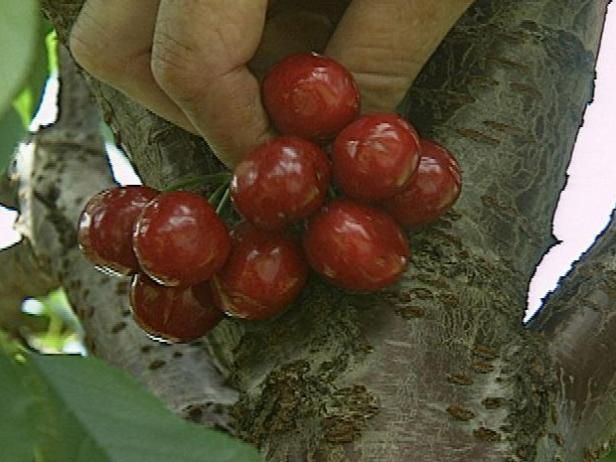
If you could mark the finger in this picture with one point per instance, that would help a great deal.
(295, 26)
(199, 57)
(288, 32)
(112, 40)
(386, 43)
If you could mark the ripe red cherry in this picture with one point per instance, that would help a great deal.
(355, 246)
(374, 157)
(432, 190)
(106, 227)
(311, 96)
(175, 314)
(179, 239)
(265, 272)
(280, 182)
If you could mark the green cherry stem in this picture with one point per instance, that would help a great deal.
(224, 200)
(215, 198)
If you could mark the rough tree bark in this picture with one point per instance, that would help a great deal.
(439, 367)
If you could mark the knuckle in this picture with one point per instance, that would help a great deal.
(176, 67)
(96, 56)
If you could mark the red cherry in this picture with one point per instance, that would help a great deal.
(175, 314)
(179, 239)
(282, 181)
(311, 96)
(355, 246)
(432, 190)
(106, 227)
(264, 274)
(374, 157)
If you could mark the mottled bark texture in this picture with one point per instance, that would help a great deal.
(439, 367)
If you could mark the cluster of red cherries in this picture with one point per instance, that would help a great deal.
(332, 193)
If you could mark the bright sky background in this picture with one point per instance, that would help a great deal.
(585, 204)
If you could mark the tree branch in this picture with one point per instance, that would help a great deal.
(579, 323)
(493, 93)
(439, 367)
(514, 166)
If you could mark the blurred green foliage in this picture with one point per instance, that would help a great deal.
(64, 333)
(28, 50)
(610, 458)
(68, 408)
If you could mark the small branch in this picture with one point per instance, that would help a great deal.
(579, 323)
(73, 96)
(20, 276)
(8, 192)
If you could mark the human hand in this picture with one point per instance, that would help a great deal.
(197, 63)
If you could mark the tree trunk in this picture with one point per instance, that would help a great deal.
(439, 367)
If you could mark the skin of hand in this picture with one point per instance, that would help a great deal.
(197, 63)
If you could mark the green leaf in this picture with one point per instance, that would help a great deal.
(20, 48)
(28, 100)
(51, 42)
(18, 437)
(12, 131)
(19, 32)
(95, 413)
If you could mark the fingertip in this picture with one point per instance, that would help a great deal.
(229, 114)
(231, 148)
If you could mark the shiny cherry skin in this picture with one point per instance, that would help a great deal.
(106, 227)
(280, 182)
(311, 96)
(374, 157)
(173, 314)
(432, 190)
(356, 246)
(179, 239)
(265, 272)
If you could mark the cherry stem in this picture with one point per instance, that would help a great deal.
(211, 179)
(218, 194)
(224, 200)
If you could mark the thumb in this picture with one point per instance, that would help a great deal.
(385, 44)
